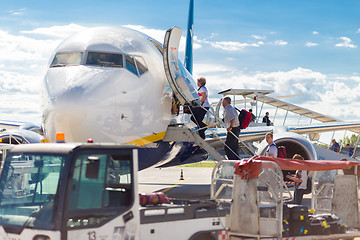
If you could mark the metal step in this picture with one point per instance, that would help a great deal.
(179, 133)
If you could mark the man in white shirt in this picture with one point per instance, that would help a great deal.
(231, 120)
(272, 150)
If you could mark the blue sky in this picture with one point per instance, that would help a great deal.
(308, 48)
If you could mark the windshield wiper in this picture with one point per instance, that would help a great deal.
(59, 65)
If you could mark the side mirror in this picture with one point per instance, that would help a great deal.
(92, 167)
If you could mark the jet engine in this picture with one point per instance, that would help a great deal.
(293, 143)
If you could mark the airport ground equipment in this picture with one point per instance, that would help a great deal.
(255, 195)
(90, 191)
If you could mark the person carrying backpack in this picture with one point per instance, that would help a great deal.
(271, 150)
(244, 118)
(233, 129)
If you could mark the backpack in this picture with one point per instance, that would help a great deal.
(281, 152)
(244, 118)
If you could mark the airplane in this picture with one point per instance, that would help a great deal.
(15, 132)
(109, 84)
(115, 84)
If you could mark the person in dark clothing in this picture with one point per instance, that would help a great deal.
(266, 119)
(233, 129)
(253, 117)
(335, 146)
(300, 178)
(350, 149)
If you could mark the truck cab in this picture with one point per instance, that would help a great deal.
(69, 191)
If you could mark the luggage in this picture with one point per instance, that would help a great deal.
(334, 223)
(295, 220)
(244, 118)
(281, 151)
(297, 212)
(318, 226)
(282, 154)
(299, 228)
(286, 213)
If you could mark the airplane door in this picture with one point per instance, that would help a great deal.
(181, 81)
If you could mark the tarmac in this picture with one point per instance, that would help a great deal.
(177, 182)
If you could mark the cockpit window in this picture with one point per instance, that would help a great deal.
(136, 65)
(140, 63)
(104, 59)
(130, 65)
(66, 59)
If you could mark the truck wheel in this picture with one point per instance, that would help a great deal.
(203, 236)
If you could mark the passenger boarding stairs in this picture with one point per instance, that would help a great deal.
(179, 133)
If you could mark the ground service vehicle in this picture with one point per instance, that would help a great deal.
(89, 191)
(255, 194)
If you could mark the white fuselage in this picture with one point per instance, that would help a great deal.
(121, 104)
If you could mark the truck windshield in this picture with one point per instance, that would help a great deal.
(27, 188)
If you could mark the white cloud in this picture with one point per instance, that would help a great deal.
(332, 95)
(358, 31)
(159, 35)
(17, 12)
(280, 43)
(18, 48)
(258, 37)
(22, 67)
(233, 46)
(315, 32)
(57, 31)
(311, 44)
(214, 35)
(346, 43)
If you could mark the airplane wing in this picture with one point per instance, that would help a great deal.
(260, 97)
(10, 124)
(325, 127)
(258, 133)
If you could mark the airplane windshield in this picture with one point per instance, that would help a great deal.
(67, 59)
(28, 186)
(104, 59)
